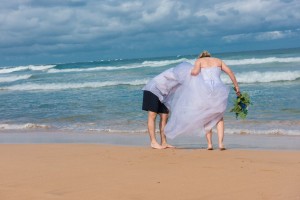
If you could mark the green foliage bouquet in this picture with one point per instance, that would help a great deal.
(240, 105)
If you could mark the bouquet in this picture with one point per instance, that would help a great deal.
(240, 105)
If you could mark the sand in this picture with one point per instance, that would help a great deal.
(104, 172)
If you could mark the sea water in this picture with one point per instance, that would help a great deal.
(105, 95)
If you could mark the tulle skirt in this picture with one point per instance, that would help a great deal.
(196, 106)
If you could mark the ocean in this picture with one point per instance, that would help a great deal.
(105, 96)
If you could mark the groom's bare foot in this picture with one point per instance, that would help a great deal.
(221, 147)
(156, 146)
(166, 145)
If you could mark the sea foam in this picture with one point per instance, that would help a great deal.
(14, 78)
(263, 77)
(65, 86)
(124, 67)
(23, 126)
(8, 70)
(263, 132)
(253, 61)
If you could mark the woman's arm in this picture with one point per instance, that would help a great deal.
(231, 75)
(196, 69)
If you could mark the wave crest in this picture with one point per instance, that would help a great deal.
(263, 77)
(253, 61)
(8, 70)
(110, 68)
(65, 86)
(14, 78)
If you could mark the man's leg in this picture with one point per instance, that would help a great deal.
(151, 129)
(162, 124)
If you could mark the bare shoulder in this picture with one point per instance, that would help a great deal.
(198, 61)
(217, 59)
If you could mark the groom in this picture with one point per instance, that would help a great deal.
(158, 90)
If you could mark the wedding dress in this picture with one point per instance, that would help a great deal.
(197, 104)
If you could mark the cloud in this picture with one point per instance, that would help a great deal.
(262, 36)
(89, 28)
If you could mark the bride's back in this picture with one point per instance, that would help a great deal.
(210, 62)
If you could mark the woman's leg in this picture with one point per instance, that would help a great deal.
(209, 140)
(220, 130)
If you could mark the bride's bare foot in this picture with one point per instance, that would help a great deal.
(210, 147)
(156, 146)
(166, 145)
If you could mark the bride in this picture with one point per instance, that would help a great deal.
(199, 104)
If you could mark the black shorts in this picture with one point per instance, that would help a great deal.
(152, 103)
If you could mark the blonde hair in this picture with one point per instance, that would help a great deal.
(204, 54)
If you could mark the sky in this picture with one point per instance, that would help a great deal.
(59, 31)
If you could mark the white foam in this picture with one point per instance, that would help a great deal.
(228, 131)
(109, 68)
(263, 77)
(253, 61)
(263, 132)
(23, 126)
(7, 70)
(14, 78)
(65, 86)
(162, 62)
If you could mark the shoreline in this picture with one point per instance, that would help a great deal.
(98, 171)
(232, 142)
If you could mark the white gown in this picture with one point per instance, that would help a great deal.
(166, 83)
(197, 104)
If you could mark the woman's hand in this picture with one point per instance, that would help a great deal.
(194, 72)
(237, 91)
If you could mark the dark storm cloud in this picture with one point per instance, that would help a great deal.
(89, 29)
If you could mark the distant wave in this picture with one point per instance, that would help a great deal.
(264, 77)
(14, 78)
(23, 126)
(65, 86)
(7, 70)
(109, 68)
(252, 61)
(162, 63)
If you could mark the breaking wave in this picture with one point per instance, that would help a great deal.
(110, 68)
(14, 78)
(263, 77)
(8, 70)
(253, 61)
(65, 86)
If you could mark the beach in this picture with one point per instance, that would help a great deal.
(76, 131)
(99, 171)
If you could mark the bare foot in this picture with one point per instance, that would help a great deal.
(156, 146)
(210, 147)
(166, 145)
(221, 147)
